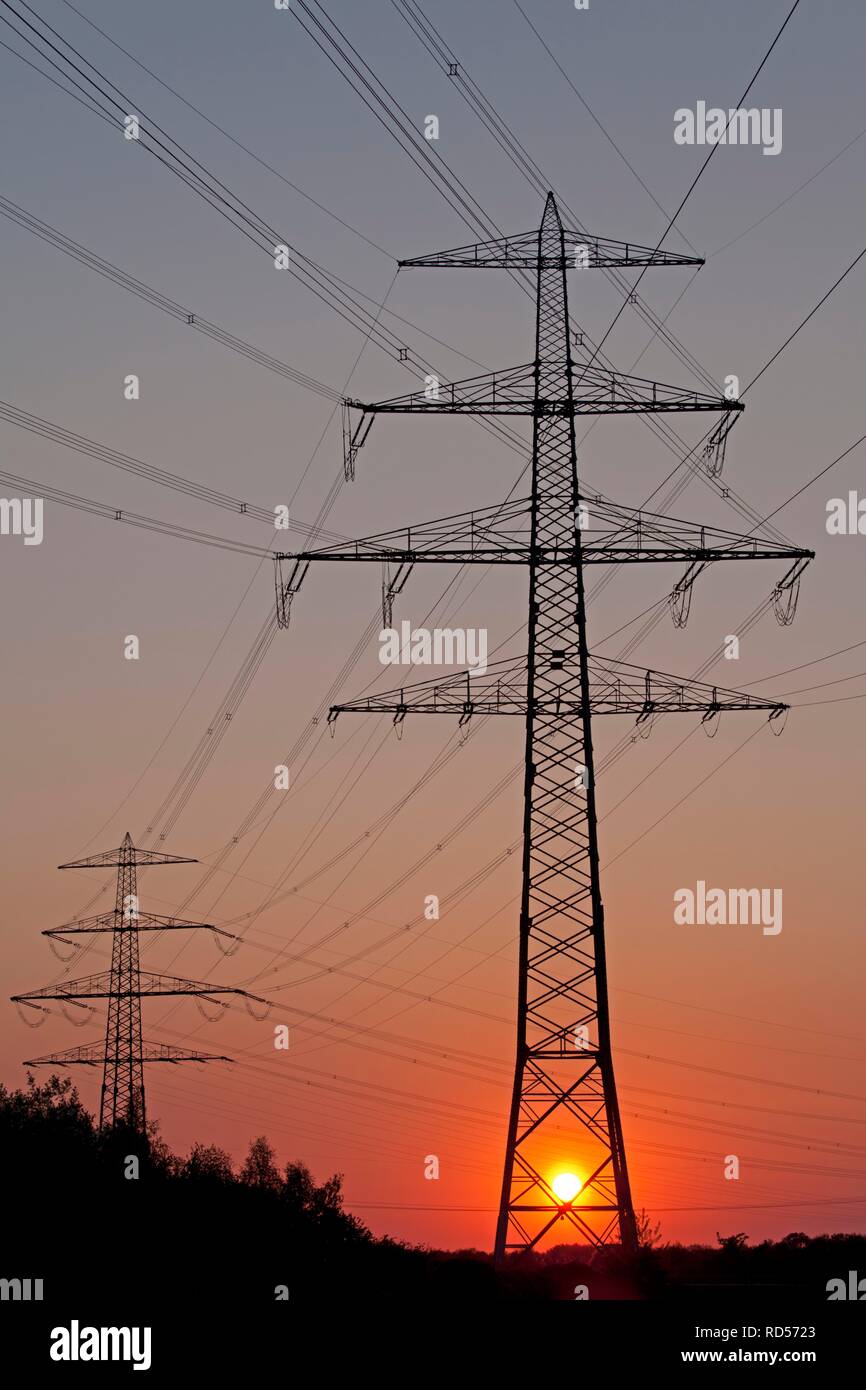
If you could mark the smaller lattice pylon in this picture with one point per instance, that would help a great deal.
(124, 1053)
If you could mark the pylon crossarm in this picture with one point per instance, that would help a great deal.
(581, 250)
(615, 687)
(170, 984)
(515, 391)
(128, 855)
(610, 534)
(488, 533)
(94, 1054)
(502, 690)
(102, 987)
(89, 987)
(145, 921)
(607, 526)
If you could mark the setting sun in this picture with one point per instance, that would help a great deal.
(566, 1186)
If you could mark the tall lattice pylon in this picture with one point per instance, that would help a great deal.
(123, 1054)
(564, 1111)
(562, 967)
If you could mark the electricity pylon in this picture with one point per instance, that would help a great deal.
(123, 1054)
(564, 1103)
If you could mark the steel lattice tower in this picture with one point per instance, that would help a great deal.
(123, 1054)
(123, 1078)
(564, 1093)
(562, 970)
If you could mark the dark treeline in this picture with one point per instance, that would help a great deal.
(196, 1228)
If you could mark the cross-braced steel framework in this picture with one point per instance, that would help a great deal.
(564, 1110)
(123, 1054)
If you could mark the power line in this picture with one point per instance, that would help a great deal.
(608, 137)
(785, 201)
(129, 518)
(814, 662)
(239, 144)
(403, 130)
(693, 185)
(157, 300)
(151, 473)
(448, 62)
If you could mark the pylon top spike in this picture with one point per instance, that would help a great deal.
(551, 211)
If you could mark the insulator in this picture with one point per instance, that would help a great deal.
(210, 1018)
(778, 717)
(785, 602)
(681, 594)
(714, 449)
(714, 460)
(387, 596)
(228, 950)
(710, 722)
(680, 602)
(387, 607)
(19, 1004)
(81, 1022)
(287, 588)
(644, 724)
(284, 608)
(348, 452)
(52, 942)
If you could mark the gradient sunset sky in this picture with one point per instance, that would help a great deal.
(727, 1041)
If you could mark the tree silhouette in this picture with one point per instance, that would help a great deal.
(260, 1167)
(194, 1228)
